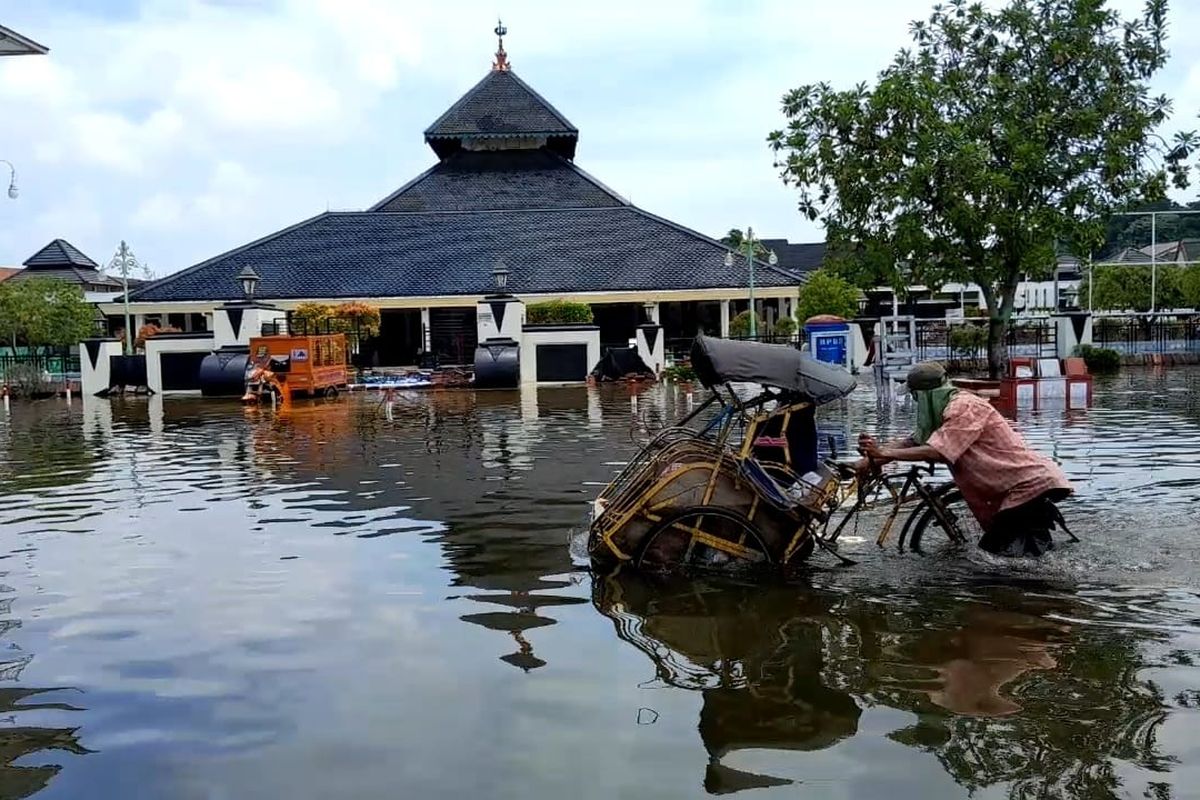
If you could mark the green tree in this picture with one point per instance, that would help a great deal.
(736, 240)
(1003, 133)
(16, 310)
(826, 292)
(1189, 286)
(739, 326)
(1127, 288)
(45, 313)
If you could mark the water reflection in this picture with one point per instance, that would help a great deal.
(326, 602)
(1003, 691)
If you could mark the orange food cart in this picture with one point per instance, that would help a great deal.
(312, 365)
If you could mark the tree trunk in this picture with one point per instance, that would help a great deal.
(998, 321)
(997, 349)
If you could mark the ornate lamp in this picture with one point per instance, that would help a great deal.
(248, 279)
(500, 276)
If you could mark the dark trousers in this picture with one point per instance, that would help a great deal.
(1025, 530)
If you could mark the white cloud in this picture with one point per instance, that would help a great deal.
(202, 125)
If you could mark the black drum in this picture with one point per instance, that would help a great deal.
(498, 364)
(223, 372)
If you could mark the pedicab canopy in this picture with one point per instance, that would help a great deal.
(718, 361)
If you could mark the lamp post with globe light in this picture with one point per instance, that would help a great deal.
(749, 243)
(12, 181)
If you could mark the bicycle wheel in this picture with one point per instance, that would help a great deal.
(946, 512)
(704, 537)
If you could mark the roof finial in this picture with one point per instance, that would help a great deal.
(501, 63)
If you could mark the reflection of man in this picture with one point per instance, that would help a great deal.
(989, 652)
(1010, 488)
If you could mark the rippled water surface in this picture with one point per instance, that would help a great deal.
(200, 601)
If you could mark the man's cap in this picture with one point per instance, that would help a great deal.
(925, 376)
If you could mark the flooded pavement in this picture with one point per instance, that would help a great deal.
(200, 601)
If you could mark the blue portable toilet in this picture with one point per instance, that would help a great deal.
(829, 341)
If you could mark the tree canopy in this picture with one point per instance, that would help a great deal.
(1001, 136)
(42, 312)
(826, 292)
(736, 240)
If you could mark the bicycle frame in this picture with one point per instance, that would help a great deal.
(912, 489)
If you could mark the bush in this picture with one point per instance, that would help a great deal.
(826, 292)
(1099, 359)
(740, 325)
(28, 380)
(558, 312)
(149, 331)
(968, 340)
(785, 326)
(679, 373)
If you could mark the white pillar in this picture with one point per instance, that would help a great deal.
(724, 319)
(655, 314)
(427, 343)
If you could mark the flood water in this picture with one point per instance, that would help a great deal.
(201, 601)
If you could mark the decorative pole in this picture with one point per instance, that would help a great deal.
(750, 261)
(772, 259)
(122, 261)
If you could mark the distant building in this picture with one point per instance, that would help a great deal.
(14, 44)
(1032, 296)
(800, 258)
(8, 272)
(62, 261)
(505, 187)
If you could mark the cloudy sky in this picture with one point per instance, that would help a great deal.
(188, 127)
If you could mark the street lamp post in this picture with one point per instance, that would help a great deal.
(749, 241)
(12, 180)
(123, 262)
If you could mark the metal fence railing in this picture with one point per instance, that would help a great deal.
(963, 343)
(1146, 334)
(57, 366)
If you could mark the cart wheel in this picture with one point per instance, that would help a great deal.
(702, 536)
(950, 516)
(331, 392)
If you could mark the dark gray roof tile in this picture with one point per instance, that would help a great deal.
(504, 180)
(59, 253)
(549, 251)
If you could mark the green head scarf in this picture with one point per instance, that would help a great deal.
(932, 390)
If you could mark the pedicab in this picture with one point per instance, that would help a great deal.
(745, 488)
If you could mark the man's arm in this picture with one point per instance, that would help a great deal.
(883, 455)
(900, 450)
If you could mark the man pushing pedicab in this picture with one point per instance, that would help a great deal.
(1010, 488)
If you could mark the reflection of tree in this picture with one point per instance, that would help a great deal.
(1001, 697)
(43, 449)
(18, 742)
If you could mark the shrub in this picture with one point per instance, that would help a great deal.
(558, 312)
(968, 340)
(149, 331)
(785, 326)
(1099, 359)
(679, 373)
(28, 380)
(826, 292)
(740, 325)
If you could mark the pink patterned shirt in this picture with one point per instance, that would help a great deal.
(991, 464)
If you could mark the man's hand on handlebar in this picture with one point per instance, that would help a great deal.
(876, 455)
